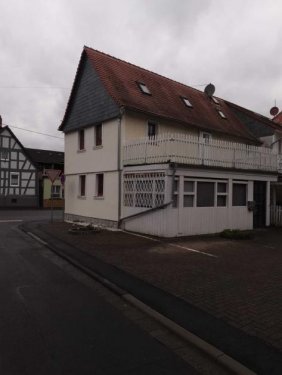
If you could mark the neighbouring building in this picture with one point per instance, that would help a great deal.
(49, 194)
(151, 155)
(18, 174)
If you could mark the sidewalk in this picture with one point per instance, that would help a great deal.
(160, 272)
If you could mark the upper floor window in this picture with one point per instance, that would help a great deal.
(186, 102)
(82, 185)
(81, 141)
(144, 88)
(98, 135)
(152, 129)
(221, 114)
(14, 179)
(4, 155)
(206, 137)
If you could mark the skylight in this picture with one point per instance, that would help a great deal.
(215, 100)
(144, 88)
(222, 114)
(187, 102)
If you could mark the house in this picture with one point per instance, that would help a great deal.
(49, 194)
(151, 155)
(18, 174)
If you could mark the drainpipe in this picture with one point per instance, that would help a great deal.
(119, 168)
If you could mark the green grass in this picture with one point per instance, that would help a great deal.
(236, 234)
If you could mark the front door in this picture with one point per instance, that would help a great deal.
(260, 204)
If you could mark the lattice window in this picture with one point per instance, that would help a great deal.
(144, 189)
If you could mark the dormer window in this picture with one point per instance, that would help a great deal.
(215, 100)
(222, 115)
(144, 88)
(186, 102)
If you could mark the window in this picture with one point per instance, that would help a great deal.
(239, 197)
(144, 88)
(81, 139)
(187, 102)
(215, 100)
(206, 137)
(205, 194)
(222, 115)
(4, 155)
(144, 189)
(189, 193)
(152, 129)
(98, 135)
(82, 185)
(14, 179)
(175, 188)
(99, 185)
(221, 194)
(55, 191)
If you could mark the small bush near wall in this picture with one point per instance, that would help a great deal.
(236, 234)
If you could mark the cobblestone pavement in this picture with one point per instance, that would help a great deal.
(240, 283)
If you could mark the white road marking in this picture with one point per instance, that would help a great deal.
(193, 250)
(11, 221)
(37, 238)
(173, 244)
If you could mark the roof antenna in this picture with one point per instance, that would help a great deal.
(274, 110)
(209, 90)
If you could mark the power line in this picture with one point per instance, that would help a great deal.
(33, 131)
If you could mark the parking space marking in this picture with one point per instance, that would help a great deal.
(11, 221)
(140, 235)
(193, 250)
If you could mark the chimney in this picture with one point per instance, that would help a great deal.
(0, 121)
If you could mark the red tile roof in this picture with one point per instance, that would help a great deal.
(121, 78)
(278, 118)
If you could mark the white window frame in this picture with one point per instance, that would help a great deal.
(206, 137)
(58, 194)
(96, 196)
(18, 178)
(95, 137)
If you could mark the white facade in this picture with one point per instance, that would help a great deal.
(152, 189)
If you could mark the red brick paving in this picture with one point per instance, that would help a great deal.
(242, 286)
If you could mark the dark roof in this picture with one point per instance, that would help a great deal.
(45, 156)
(121, 79)
(258, 125)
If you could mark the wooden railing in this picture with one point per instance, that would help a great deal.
(191, 150)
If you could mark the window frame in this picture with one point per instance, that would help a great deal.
(243, 183)
(2, 151)
(82, 186)
(81, 140)
(58, 194)
(18, 179)
(98, 136)
(99, 185)
(144, 88)
(155, 125)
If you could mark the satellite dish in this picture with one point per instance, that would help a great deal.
(209, 90)
(274, 111)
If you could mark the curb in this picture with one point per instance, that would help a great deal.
(217, 355)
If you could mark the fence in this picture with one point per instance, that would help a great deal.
(188, 149)
(276, 215)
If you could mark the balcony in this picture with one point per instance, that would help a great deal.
(190, 150)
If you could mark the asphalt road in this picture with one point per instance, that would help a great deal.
(52, 324)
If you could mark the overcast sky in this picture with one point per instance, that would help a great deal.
(236, 45)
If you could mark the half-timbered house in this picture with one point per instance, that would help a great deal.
(18, 175)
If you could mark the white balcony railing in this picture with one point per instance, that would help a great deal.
(191, 150)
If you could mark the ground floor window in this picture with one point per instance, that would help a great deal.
(99, 185)
(239, 195)
(82, 185)
(14, 179)
(144, 189)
